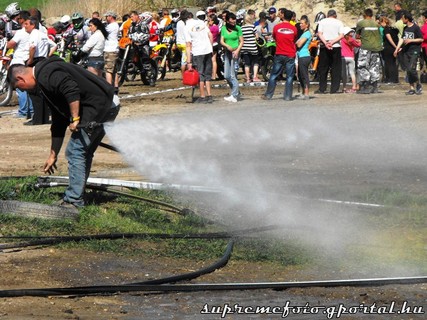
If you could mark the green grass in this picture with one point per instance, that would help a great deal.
(117, 214)
(398, 232)
(24, 4)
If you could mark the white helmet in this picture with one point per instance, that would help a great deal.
(241, 14)
(146, 17)
(175, 15)
(12, 9)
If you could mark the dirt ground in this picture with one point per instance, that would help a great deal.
(24, 149)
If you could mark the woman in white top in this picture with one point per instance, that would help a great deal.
(94, 46)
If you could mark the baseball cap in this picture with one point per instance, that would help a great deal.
(347, 30)
(110, 13)
(272, 10)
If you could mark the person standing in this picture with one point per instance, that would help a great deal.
(390, 40)
(250, 50)
(75, 97)
(180, 43)
(199, 53)
(304, 57)
(369, 63)
(21, 45)
(94, 47)
(285, 36)
(330, 33)
(140, 35)
(424, 44)
(214, 29)
(273, 19)
(232, 41)
(410, 45)
(348, 44)
(40, 45)
(111, 49)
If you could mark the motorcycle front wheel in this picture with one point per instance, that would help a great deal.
(149, 72)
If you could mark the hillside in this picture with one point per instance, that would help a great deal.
(348, 10)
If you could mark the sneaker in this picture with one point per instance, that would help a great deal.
(209, 99)
(264, 97)
(201, 100)
(418, 89)
(230, 99)
(65, 204)
(303, 97)
(410, 92)
(29, 123)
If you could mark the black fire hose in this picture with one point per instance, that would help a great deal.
(49, 240)
(116, 288)
(92, 125)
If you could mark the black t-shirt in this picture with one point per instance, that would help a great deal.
(394, 33)
(412, 32)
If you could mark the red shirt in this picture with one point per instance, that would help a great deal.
(285, 36)
(424, 32)
(154, 35)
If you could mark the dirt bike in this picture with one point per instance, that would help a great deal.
(167, 56)
(268, 49)
(5, 87)
(133, 61)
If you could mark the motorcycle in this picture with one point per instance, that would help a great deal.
(132, 61)
(5, 87)
(167, 56)
(268, 48)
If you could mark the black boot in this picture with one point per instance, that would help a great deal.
(374, 88)
(364, 88)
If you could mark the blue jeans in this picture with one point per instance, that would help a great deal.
(281, 62)
(25, 104)
(230, 73)
(79, 153)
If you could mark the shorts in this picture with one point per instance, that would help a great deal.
(183, 49)
(96, 63)
(203, 64)
(110, 61)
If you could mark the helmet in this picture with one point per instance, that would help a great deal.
(201, 15)
(146, 17)
(175, 15)
(12, 10)
(78, 20)
(65, 21)
(241, 12)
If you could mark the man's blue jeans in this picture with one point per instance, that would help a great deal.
(25, 104)
(281, 62)
(80, 150)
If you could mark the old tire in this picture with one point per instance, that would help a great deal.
(36, 210)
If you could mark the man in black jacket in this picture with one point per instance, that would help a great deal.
(77, 99)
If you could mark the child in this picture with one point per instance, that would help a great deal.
(348, 43)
